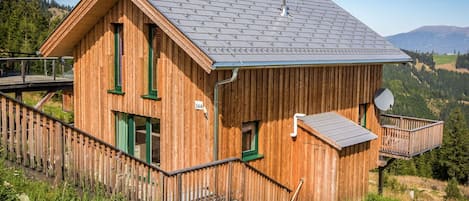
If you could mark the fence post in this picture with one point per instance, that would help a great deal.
(23, 71)
(45, 67)
(229, 179)
(179, 187)
(243, 182)
(62, 66)
(161, 190)
(53, 69)
(59, 153)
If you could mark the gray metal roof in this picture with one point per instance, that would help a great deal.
(338, 129)
(252, 32)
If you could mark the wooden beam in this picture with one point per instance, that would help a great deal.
(44, 99)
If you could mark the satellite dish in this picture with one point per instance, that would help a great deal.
(384, 100)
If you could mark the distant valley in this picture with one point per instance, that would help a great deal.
(438, 39)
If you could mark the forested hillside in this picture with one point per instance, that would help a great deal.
(426, 58)
(25, 24)
(433, 94)
(462, 61)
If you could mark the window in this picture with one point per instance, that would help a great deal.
(250, 144)
(362, 114)
(139, 136)
(118, 54)
(154, 48)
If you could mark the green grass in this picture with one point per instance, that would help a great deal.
(375, 197)
(444, 59)
(15, 184)
(53, 107)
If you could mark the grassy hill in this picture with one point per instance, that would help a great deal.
(399, 187)
(447, 62)
(444, 59)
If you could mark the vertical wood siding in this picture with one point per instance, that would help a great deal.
(318, 163)
(270, 95)
(273, 96)
(353, 172)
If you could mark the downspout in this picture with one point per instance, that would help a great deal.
(233, 77)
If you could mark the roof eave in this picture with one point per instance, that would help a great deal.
(77, 23)
(282, 64)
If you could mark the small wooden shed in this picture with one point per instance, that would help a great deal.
(332, 157)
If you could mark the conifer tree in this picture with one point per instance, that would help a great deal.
(454, 154)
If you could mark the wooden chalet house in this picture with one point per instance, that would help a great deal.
(204, 97)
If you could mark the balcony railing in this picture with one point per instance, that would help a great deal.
(33, 139)
(405, 137)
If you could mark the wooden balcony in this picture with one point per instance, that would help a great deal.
(405, 137)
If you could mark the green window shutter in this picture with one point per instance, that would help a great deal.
(131, 138)
(154, 40)
(118, 53)
(148, 140)
(122, 130)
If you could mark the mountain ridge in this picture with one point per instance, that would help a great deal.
(435, 38)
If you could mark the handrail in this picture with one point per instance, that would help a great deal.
(427, 126)
(31, 58)
(396, 128)
(107, 145)
(297, 191)
(202, 166)
(407, 117)
(267, 177)
(140, 162)
(225, 161)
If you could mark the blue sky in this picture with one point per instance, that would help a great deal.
(389, 17)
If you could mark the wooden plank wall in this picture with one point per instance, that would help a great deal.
(94, 75)
(353, 172)
(318, 163)
(271, 96)
(182, 81)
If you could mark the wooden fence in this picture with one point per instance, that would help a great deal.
(35, 140)
(408, 136)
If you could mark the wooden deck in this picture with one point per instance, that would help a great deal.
(35, 140)
(405, 137)
(34, 83)
(18, 74)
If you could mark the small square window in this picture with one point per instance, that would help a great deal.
(249, 137)
(250, 144)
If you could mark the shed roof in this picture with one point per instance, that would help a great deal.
(253, 33)
(338, 129)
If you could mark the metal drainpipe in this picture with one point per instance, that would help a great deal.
(233, 77)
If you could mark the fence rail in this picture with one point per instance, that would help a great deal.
(409, 136)
(35, 72)
(33, 139)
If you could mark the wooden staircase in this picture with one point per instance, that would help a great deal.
(38, 141)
